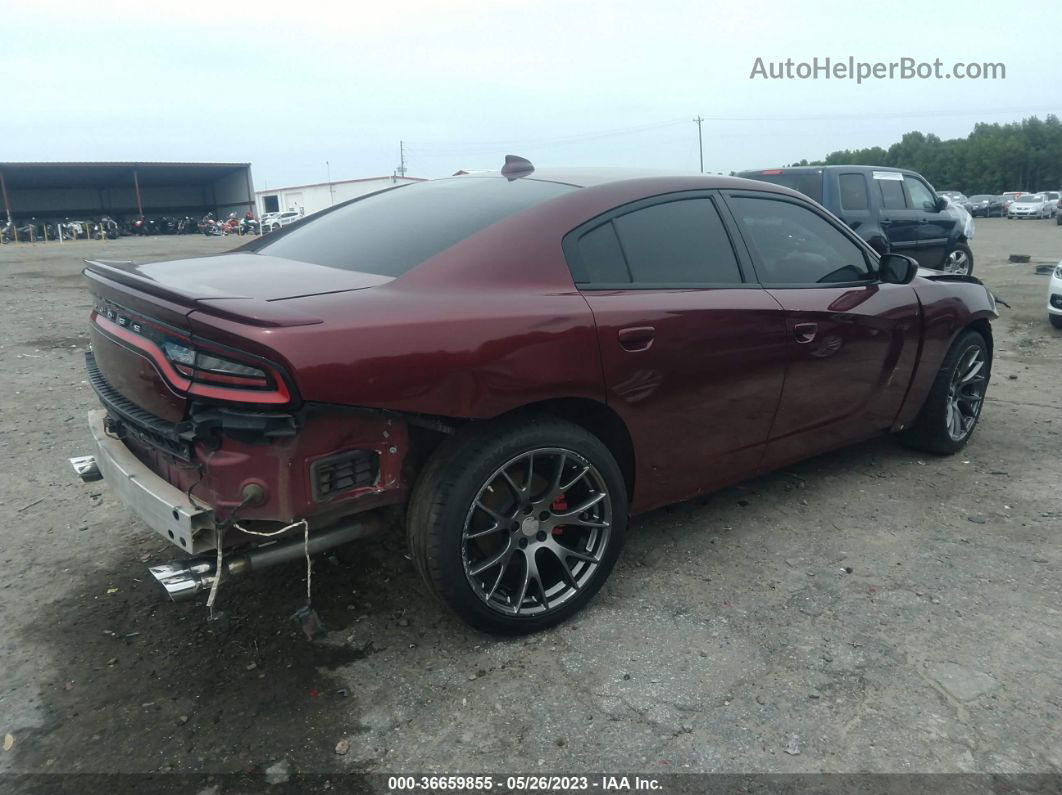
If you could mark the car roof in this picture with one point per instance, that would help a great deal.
(588, 177)
(818, 169)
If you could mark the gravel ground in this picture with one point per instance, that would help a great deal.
(867, 610)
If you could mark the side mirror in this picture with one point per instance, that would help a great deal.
(940, 203)
(897, 269)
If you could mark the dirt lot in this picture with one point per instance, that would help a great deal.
(868, 610)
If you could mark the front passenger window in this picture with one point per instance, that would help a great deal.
(921, 197)
(794, 246)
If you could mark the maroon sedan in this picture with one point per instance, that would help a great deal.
(514, 363)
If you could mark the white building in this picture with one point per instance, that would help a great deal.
(309, 199)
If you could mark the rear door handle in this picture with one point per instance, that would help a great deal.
(636, 338)
(805, 332)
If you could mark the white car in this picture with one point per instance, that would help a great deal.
(1053, 198)
(1030, 205)
(1054, 297)
(273, 221)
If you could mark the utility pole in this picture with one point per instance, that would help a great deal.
(401, 158)
(3, 191)
(700, 140)
(331, 190)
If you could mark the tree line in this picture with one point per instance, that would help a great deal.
(1025, 155)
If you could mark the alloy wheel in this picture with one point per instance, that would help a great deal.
(966, 393)
(958, 262)
(536, 532)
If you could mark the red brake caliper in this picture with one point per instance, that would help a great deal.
(559, 504)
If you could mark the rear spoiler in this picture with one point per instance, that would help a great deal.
(117, 275)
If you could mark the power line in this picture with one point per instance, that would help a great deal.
(892, 115)
(430, 149)
(487, 147)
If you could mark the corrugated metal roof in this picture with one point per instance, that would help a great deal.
(112, 174)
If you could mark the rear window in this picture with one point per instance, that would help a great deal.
(807, 182)
(389, 233)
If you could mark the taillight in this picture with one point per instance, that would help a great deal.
(202, 371)
(207, 368)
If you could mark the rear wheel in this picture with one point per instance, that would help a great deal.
(951, 410)
(1056, 320)
(515, 526)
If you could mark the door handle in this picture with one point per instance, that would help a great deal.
(636, 338)
(923, 220)
(805, 332)
(886, 221)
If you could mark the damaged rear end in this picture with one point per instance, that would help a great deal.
(202, 431)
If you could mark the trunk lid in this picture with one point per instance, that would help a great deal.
(139, 306)
(243, 276)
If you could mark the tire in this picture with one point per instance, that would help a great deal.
(478, 483)
(937, 429)
(1058, 220)
(959, 260)
(1056, 320)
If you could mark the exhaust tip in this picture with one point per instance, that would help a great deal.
(179, 582)
(86, 468)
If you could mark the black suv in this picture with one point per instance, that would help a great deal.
(893, 209)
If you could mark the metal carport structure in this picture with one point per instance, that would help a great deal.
(87, 190)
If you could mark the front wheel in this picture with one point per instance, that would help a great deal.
(516, 525)
(959, 260)
(953, 407)
(1056, 320)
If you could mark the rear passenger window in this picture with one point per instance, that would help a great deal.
(892, 194)
(601, 257)
(853, 192)
(680, 242)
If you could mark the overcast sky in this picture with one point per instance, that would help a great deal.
(292, 84)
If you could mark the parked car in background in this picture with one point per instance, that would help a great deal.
(986, 206)
(273, 221)
(1054, 199)
(1030, 205)
(957, 197)
(1008, 199)
(1054, 297)
(515, 362)
(893, 209)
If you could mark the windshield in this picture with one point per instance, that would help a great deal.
(1029, 197)
(392, 231)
